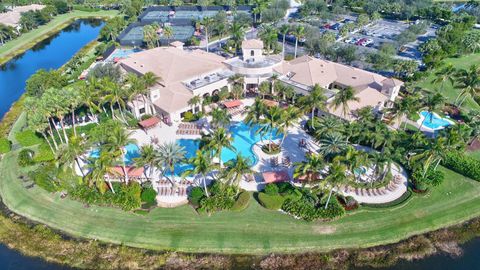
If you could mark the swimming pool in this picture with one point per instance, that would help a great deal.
(122, 54)
(244, 138)
(132, 151)
(433, 121)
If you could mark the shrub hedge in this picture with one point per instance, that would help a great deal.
(25, 158)
(28, 138)
(44, 153)
(5, 145)
(462, 164)
(272, 202)
(148, 195)
(242, 201)
(126, 197)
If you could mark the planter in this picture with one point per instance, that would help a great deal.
(271, 148)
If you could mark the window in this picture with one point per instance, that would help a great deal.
(141, 111)
(252, 53)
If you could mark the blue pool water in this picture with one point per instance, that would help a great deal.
(244, 137)
(132, 151)
(434, 122)
(122, 53)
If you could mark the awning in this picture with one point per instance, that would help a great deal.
(149, 123)
(232, 103)
(132, 171)
(275, 177)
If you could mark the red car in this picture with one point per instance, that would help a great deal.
(360, 41)
(327, 26)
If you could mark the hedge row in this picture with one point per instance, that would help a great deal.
(5, 145)
(272, 202)
(462, 164)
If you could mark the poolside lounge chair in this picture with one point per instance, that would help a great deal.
(286, 161)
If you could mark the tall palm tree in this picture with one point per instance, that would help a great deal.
(264, 89)
(99, 170)
(89, 97)
(342, 98)
(431, 153)
(299, 33)
(118, 139)
(468, 80)
(289, 118)
(336, 176)
(284, 31)
(194, 102)
(237, 35)
(114, 95)
(220, 118)
(207, 23)
(270, 124)
(444, 75)
(236, 169)
(311, 168)
(147, 160)
(403, 107)
(168, 32)
(268, 34)
(69, 154)
(328, 124)
(255, 112)
(202, 165)
(221, 139)
(432, 102)
(315, 101)
(169, 154)
(332, 144)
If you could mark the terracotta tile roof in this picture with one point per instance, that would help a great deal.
(275, 176)
(149, 123)
(232, 103)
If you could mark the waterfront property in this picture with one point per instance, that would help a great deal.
(12, 17)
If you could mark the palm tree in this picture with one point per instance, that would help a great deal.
(168, 32)
(237, 91)
(89, 97)
(311, 168)
(403, 107)
(342, 98)
(432, 102)
(284, 31)
(328, 124)
(206, 22)
(315, 101)
(69, 154)
(354, 159)
(289, 118)
(264, 89)
(268, 34)
(221, 139)
(147, 160)
(114, 94)
(444, 75)
(99, 170)
(270, 124)
(237, 35)
(167, 156)
(194, 102)
(255, 112)
(299, 33)
(469, 81)
(220, 118)
(332, 144)
(202, 165)
(236, 169)
(336, 176)
(118, 139)
(431, 153)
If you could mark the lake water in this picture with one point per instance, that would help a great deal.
(54, 52)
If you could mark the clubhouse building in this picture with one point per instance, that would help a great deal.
(187, 73)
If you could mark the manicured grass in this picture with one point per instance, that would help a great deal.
(474, 154)
(254, 230)
(447, 89)
(28, 40)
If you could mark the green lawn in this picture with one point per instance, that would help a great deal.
(474, 154)
(28, 40)
(255, 230)
(447, 89)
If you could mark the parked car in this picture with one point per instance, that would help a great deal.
(327, 26)
(360, 41)
(335, 26)
(349, 40)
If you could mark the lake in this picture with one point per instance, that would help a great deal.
(51, 53)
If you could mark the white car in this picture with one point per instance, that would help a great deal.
(348, 40)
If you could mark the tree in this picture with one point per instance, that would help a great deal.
(237, 35)
(299, 33)
(69, 154)
(118, 139)
(168, 32)
(207, 22)
(194, 102)
(268, 34)
(342, 98)
(289, 117)
(336, 176)
(106, 70)
(471, 41)
(221, 139)
(255, 112)
(169, 154)
(112, 28)
(468, 80)
(150, 35)
(114, 95)
(264, 89)
(444, 75)
(236, 169)
(284, 29)
(202, 165)
(147, 159)
(42, 80)
(315, 101)
(403, 107)
(311, 168)
(332, 144)
(327, 125)
(220, 118)
(270, 124)
(99, 170)
(362, 20)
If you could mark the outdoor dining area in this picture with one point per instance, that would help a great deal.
(234, 107)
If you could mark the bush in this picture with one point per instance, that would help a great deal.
(222, 197)
(195, 195)
(303, 208)
(45, 177)
(44, 153)
(271, 189)
(242, 201)
(5, 145)
(189, 117)
(462, 164)
(148, 195)
(126, 197)
(25, 158)
(272, 202)
(28, 138)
